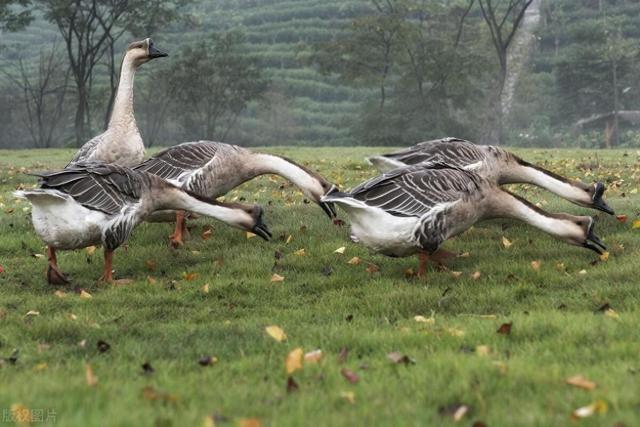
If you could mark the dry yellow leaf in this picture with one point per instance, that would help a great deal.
(276, 333)
(483, 350)
(250, 235)
(560, 266)
(536, 264)
(313, 356)
(583, 272)
(208, 421)
(32, 313)
(456, 274)
(610, 312)
(455, 332)
(151, 280)
(460, 413)
(85, 295)
(249, 422)
(21, 414)
(277, 278)
(293, 362)
(604, 256)
(289, 239)
(372, 268)
(635, 224)
(300, 252)
(506, 243)
(205, 288)
(464, 255)
(60, 294)
(349, 396)
(92, 380)
(476, 275)
(340, 250)
(580, 381)
(422, 319)
(597, 407)
(73, 316)
(90, 250)
(354, 261)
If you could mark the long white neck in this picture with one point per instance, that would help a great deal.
(179, 200)
(267, 163)
(507, 205)
(122, 112)
(527, 173)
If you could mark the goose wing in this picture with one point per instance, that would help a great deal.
(176, 161)
(452, 151)
(416, 190)
(102, 187)
(85, 152)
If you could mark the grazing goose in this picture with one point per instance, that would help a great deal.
(212, 169)
(415, 209)
(497, 165)
(121, 143)
(97, 203)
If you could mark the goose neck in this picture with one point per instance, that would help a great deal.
(122, 112)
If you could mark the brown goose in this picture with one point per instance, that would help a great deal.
(415, 209)
(496, 164)
(121, 143)
(95, 203)
(212, 169)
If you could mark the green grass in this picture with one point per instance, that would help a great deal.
(172, 323)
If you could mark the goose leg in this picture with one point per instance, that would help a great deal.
(441, 256)
(176, 237)
(422, 267)
(107, 272)
(54, 275)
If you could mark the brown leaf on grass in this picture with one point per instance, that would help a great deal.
(621, 218)
(456, 274)
(313, 356)
(354, 261)
(372, 268)
(275, 277)
(152, 280)
(536, 264)
(207, 360)
(150, 265)
(151, 394)
(292, 385)
(20, 414)
(103, 346)
(60, 294)
(409, 273)
(397, 358)
(206, 234)
(343, 355)
(476, 275)
(598, 407)
(249, 422)
(350, 376)
(276, 333)
(505, 328)
(293, 361)
(581, 382)
(92, 380)
(189, 276)
(1, 269)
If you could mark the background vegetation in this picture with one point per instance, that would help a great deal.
(334, 72)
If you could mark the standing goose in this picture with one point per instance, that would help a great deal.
(212, 169)
(121, 143)
(497, 165)
(95, 203)
(415, 209)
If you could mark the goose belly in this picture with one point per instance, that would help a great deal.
(65, 224)
(388, 234)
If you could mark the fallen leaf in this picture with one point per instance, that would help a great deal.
(604, 256)
(350, 376)
(635, 224)
(581, 382)
(456, 274)
(340, 250)
(150, 265)
(476, 275)
(300, 252)
(103, 346)
(207, 360)
(250, 235)
(455, 332)
(349, 396)
(73, 316)
(372, 268)
(506, 243)
(249, 422)
(313, 356)
(293, 361)
(276, 333)
(32, 313)
(354, 261)
(422, 319)
(457, 411)
(189, 276)
(208, 421)
(463, 255)
(205, 288)
(289, 239)
(560, 266)
(621, 218)
(409, 273)
(277, 278)
(582, 272)
(60, 294)
(483, 350)
(292, 385)
(1, 269)
(41, 367)
(505, 328)
(92, 380)
(610, 312)
(85, 295)
(397, 358)
(597, 407)
(536, 265)
(20, 414)
(151, 394)
(206, 234)
(90, 250)
(152, 280)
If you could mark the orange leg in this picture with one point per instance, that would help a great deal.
(107, 274)
(422, 267)
(176, 237)
(54, 275)
(441, 256)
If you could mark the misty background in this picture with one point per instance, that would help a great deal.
(544, 73)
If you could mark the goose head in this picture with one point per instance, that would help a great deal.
(578, 231)
(143, 51)
(249, 218)
(592, 197)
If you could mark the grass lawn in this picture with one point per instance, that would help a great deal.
(168, 320)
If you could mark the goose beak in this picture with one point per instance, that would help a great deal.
(261, 229)
(154, 52)
(593, 242)
(597, 201)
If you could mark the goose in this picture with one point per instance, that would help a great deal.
(496, 164)
(212, 169)
(121, 143)
(98, 203)
(415, 209)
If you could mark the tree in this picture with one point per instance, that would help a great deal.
(44, 87)
(14, 15)
(213, 83)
